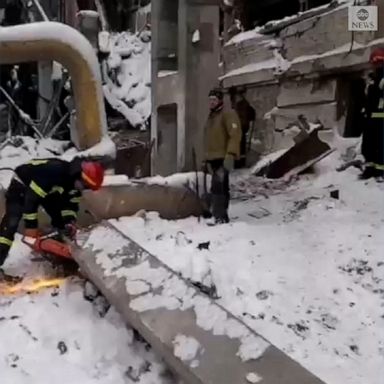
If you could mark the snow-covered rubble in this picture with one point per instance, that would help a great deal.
(57, 336)
(308, 276)
(128, 75)
(65, 335)
(258, 31)
(303, 269)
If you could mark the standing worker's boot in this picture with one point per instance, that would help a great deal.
(14, 203)
(219, 209)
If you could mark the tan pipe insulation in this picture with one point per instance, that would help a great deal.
(46, 41)
(113, 202)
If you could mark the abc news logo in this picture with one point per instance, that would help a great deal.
(363, 18)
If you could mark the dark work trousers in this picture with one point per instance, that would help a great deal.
(220, 194)
(14, 209)
(14, 206)
(241, 163)
(53, 210)
(373, 143)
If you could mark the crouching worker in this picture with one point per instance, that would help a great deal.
(222, 148)
(55, 185)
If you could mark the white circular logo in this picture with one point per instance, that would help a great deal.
(362, 14)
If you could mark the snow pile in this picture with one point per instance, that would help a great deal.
(156, 287)
(128, 76)
(253, 378)
(196, 36)
(243, 36)
(307, 276)
(189, 180)
(187, 349)
(57, 336)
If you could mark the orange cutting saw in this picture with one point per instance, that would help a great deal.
(51, 244)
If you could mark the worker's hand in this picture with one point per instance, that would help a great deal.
(32, 232)
(70, 231)
(229, 162)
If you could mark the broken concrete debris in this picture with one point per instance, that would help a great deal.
(62, 347)
(204, 245)
(149, 294)
(93, 295)
(335, 194)
(304, 154)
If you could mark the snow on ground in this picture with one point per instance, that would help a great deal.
(128, 78)
(302, 269)
(243, 36)
(57, 336)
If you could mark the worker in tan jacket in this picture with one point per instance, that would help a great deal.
(222, 148)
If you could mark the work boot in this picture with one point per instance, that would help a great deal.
(5, 278)
(220, 209)
(222, 220)
(368, 173)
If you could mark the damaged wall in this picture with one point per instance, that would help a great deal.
(184, 85)
(320, 34)
(306, 65)
(263, 97)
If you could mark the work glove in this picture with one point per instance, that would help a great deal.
(70, 231)
(229, 162)
(32, 232)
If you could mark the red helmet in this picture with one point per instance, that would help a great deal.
(377, 56)
(92, 174)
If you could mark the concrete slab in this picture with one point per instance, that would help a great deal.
(198, 339)
(306, 92)
(326, 113)
(298, 158)
(247, 75)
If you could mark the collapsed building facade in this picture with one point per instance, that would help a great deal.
(306, 64)
(309, 65)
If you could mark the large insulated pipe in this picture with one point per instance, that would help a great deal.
(45, 41)
(113, 202)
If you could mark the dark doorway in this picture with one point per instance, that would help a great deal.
(168, 30)
(166, 139)
(351, 99)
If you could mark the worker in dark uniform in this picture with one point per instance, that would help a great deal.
(247, 116)
(54, 184)
(373, 131)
